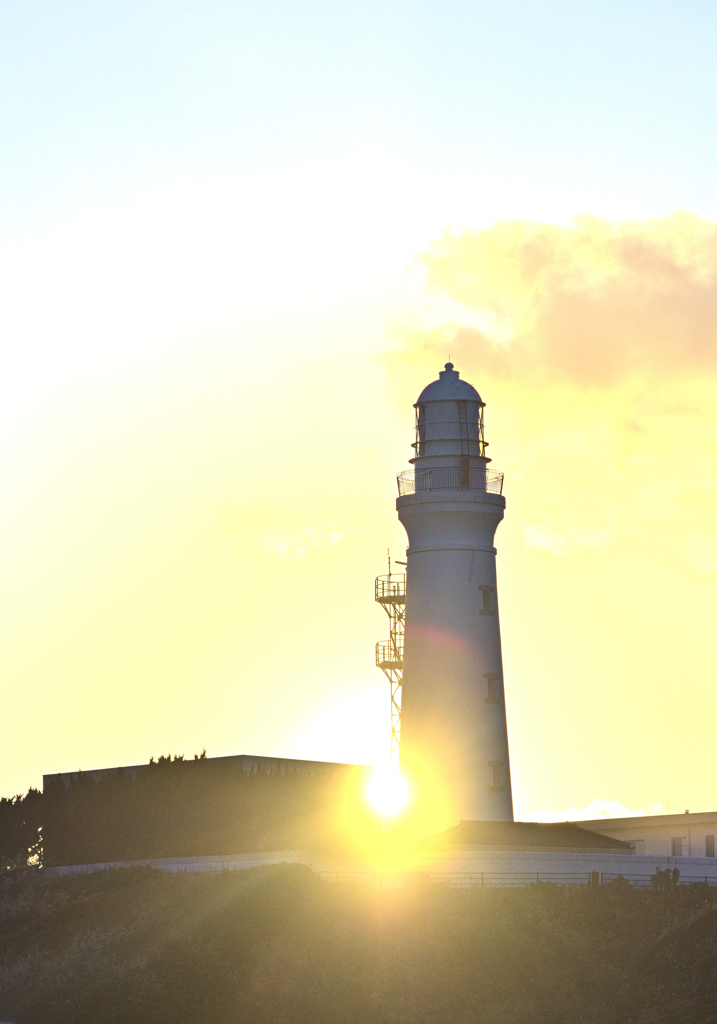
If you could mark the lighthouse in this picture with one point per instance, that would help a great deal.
(454, 740)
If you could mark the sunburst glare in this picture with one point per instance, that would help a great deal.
(387, 791)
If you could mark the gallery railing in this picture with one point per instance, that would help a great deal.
(451, 478)
(389, 654)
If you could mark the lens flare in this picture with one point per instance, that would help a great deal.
(388, 792)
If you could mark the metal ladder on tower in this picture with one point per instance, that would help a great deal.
(391, 595)
(465, 449)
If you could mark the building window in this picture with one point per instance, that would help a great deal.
(492, 688)
(677, 846)
(709, 846)
(497, 786)
(487, 608)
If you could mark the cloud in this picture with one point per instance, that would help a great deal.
(597, 808)
(701, 551)
(591, 304)
(295, 545)
(563, 542)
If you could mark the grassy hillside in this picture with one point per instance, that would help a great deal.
(281, 946)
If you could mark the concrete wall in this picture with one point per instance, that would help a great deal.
(471, 867)
(453, 723)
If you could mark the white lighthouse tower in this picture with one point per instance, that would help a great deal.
(454, 742)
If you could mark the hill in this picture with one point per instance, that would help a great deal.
(282, 946)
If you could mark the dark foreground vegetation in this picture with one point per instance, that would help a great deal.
(21, 821)
(281, 946)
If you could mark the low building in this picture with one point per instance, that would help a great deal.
(206, 807)
(483, 854)
(662, 835)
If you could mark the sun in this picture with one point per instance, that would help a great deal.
(387, 791)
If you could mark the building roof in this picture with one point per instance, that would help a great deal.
(449, 388)
(562, 836)
(242, 762)
(651, 821)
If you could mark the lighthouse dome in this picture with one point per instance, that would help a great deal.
(449, 387)
(449, 419)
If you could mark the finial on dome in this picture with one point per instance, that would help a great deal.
(449, 388)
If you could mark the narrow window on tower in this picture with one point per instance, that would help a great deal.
(709, 846)
(492, 690)
(497, 786)
(419, 443)
(487, 608)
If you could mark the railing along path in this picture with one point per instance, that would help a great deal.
(500, 879)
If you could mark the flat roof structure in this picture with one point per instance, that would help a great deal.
(243, 762)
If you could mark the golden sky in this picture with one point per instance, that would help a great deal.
(193, 511)
(236, 240)
(594, 346)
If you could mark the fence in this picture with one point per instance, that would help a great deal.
(453, 478)
(497, 879)
(389, 653)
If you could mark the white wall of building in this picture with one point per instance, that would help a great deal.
(663, 835)
(472, 867)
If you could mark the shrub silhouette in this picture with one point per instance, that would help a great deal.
(665, 880)
(21, 823)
